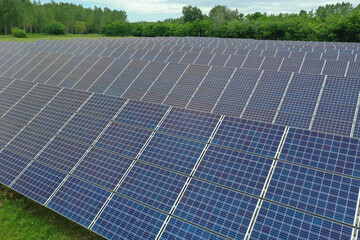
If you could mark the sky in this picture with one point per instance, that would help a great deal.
(154, 10)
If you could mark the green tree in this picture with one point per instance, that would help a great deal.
(80, 27)
(55, 28)
(191, 13)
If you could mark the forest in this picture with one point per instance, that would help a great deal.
(332, 22)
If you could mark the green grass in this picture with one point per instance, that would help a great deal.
(35, 37)
(22, 218)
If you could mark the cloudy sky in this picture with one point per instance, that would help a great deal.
(153, 10)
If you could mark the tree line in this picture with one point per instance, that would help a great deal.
(332, 22)
(34, 16)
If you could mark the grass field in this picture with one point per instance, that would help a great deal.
(22, 218)
(35, 37)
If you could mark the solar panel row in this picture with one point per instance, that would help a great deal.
(119, 166)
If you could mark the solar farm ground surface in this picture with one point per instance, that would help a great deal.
(186, 138)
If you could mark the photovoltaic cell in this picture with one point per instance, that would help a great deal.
(250, 136)
(50, 119)
(62, 153)
(216, 208)
(123, 218)
(69, 100)
(190, 124)
(103, 168)
(178, 229)
(172, 152)
(11, 164)
(278, 222)
(142, 114)
(123, 139)
(29, 142)
(83, 128)
(332, 126)
(325, 194)
(233, 169)
(78, 200)
(324, 151)
(153, 186)
(8, 130)
(102, 106)
(38, 182)
(22, 112)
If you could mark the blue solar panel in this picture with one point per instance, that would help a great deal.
(178, 230)
(217, 209)
(153, 186)
(62, 153)
(259, 114)
(190, 124)
(341, 83)
(325, 194)
(29, 142)
(142, 114)
(22, 112)
(38, 182)
(123, 139)
(78, 201)
(293, 119)
(172, 152)
(324, 151)
(102, 106)
(83, 128)
(41, 94)
(233, 169)
(50, 119)
(340, 97)
(69, 99)
(8, 130)
(250, 136)
(123, 218)
(336, 112)
(332, 126)
(11, 165)
(278, 222)
(103, 168)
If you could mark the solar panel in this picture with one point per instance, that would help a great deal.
(38, 182)
(226, 212)
(279, 222)
(325, 194)
(141, 170)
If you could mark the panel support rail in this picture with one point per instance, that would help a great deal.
(355, 230)
(182, 192)
(355, 117)
(266, 185)
(318, 102)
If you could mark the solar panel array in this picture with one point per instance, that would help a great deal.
(159, 138)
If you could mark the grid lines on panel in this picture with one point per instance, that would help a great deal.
(318, 192)
(83, 128)
(38, 182)
(29, 142)
(62, 153)
(102, 106)
(153, 186)
(278, 222)
(123, 218)
(177, 229)
(233, 169)
(103, 168)
(172, 152)
(123, 139)
(78, 200)
(11, 164)
(250, 136)
(142, 114)
(324, 151)
(190, 124)
(215, 208)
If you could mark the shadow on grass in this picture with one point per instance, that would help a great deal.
(22, 218)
